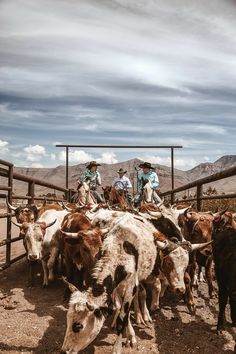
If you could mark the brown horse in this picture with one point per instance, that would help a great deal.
(115, 198)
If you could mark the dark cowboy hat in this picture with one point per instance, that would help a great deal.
(92, 163)
(121, 171)
(146, 165)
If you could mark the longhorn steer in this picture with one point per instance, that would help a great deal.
(81, 243)
(41, 242)
(128, 258)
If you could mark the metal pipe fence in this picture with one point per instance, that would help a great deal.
(8, 174)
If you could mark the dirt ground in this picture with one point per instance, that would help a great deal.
(34, 321)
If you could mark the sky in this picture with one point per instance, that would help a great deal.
(117, 72)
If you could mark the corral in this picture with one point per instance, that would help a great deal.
(34, 320)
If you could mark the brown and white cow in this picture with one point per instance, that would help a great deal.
(128, 258)
(198, 227)
(81, 243)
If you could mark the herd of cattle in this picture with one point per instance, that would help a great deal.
(111, 258)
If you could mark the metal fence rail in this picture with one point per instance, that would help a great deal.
(6, 171)
(199, 188)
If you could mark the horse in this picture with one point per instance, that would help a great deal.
(84, 197)
(116, 197)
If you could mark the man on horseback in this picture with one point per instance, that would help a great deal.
(147, 179)
(122, 184)
(92, 175)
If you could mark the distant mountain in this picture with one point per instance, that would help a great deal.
(109, 172)
(208, 168)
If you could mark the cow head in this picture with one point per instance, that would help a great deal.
(224, 220)
(26, 213)
(174, 261)
(202, 232)
(174, 258)
(84, 245)
(33, 234)
(167, 221)
(84, 321)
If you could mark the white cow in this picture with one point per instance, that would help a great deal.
(41, 241)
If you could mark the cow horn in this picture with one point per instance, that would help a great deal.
(155, 214)
(10, 206)
(198, 246)
(183, 211)
(162, 244)
(66, 207)
(162, 201)
(223, 211)
(90, 307)
(16, 223)
(104, 231)
(70, 234)
(95, 208)
(51, 223)
(71, 287)
(40, 207)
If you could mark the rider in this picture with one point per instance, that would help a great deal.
(147, 175)
(122, 183)
(91, 173)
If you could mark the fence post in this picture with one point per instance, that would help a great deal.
(199, 196)
(172, 198)
(31, 192)
(8, 245)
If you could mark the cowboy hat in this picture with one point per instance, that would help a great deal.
(146, 165)
(92, 163)
(121, 171)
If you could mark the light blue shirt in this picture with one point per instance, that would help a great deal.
(151, 176)
(95, 178)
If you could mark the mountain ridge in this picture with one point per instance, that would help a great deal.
(56, 175)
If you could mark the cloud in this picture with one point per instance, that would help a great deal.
(108, 158)
(4, 147)
(168, 78)
(80, 156)
(35, 152)
(75, 156)
(185, 163)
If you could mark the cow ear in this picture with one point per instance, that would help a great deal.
(73, 241)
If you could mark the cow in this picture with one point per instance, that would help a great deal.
(80, 244)
(198, 227)
(166, 221)
(42, 242)
(224, 253)
(128, 258)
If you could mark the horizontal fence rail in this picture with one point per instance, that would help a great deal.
(6, 171)
(198, 184)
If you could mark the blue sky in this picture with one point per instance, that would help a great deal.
(111, 72)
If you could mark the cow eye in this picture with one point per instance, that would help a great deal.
(76, 327)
